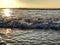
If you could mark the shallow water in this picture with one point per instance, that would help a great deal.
(29, 37)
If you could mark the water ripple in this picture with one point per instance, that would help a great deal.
(29, 37)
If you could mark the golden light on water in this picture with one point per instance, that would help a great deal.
(7, 12)
(7, 33)
(9, 44)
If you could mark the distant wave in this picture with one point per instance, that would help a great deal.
(55, 26)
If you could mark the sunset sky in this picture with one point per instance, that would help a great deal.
(29, 3)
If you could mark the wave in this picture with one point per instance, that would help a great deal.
(55, 26)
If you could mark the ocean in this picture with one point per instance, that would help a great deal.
(29, 37)
(17, 36)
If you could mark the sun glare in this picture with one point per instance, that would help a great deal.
(7, 1)
(11, 4)
(7, 12)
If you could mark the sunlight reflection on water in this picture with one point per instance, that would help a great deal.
(9, 44)
(29, 37)
(5, 35)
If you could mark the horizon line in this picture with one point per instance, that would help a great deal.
(34, 8)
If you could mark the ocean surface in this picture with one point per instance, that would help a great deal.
(15, 36)
(29, 37)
